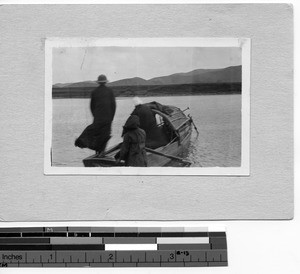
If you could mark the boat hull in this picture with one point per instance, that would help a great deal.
(177, 149)
(175, 124)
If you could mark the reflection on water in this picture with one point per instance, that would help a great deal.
(217, 117)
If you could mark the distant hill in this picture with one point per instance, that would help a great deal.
(199, 76)
(83, 84)
(60, 85)
(227, 75)
(136, 81)
(181, 78)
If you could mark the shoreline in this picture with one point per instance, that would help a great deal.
(155, 95)
(154, 91)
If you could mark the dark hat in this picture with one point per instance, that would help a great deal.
(102, 79)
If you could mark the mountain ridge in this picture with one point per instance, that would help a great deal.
(232, 74)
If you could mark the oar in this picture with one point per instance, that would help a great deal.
(192, 121)
(169, 156)
(113, 148)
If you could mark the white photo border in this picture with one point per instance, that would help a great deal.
(243, 43)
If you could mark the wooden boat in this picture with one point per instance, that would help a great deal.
(171, 119)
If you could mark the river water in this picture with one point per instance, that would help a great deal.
(217, 117)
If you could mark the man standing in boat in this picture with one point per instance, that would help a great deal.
(133, 148)
(103, 108)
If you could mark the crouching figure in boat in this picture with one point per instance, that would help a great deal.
(132, 150)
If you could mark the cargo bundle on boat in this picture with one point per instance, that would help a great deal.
(176, 127)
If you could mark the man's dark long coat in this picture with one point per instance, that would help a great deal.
(103, 108)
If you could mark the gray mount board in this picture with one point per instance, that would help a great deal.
(28, 195)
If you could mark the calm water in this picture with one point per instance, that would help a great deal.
(217, 117)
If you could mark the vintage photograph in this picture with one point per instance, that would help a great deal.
(147, 106)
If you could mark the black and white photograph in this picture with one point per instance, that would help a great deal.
(163, 106)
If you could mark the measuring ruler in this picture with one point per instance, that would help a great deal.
(112, 247)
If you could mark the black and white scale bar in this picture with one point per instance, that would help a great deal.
(108, 234)
(105, 240)
(112, 247)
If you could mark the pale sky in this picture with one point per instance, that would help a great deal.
(84, 64)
